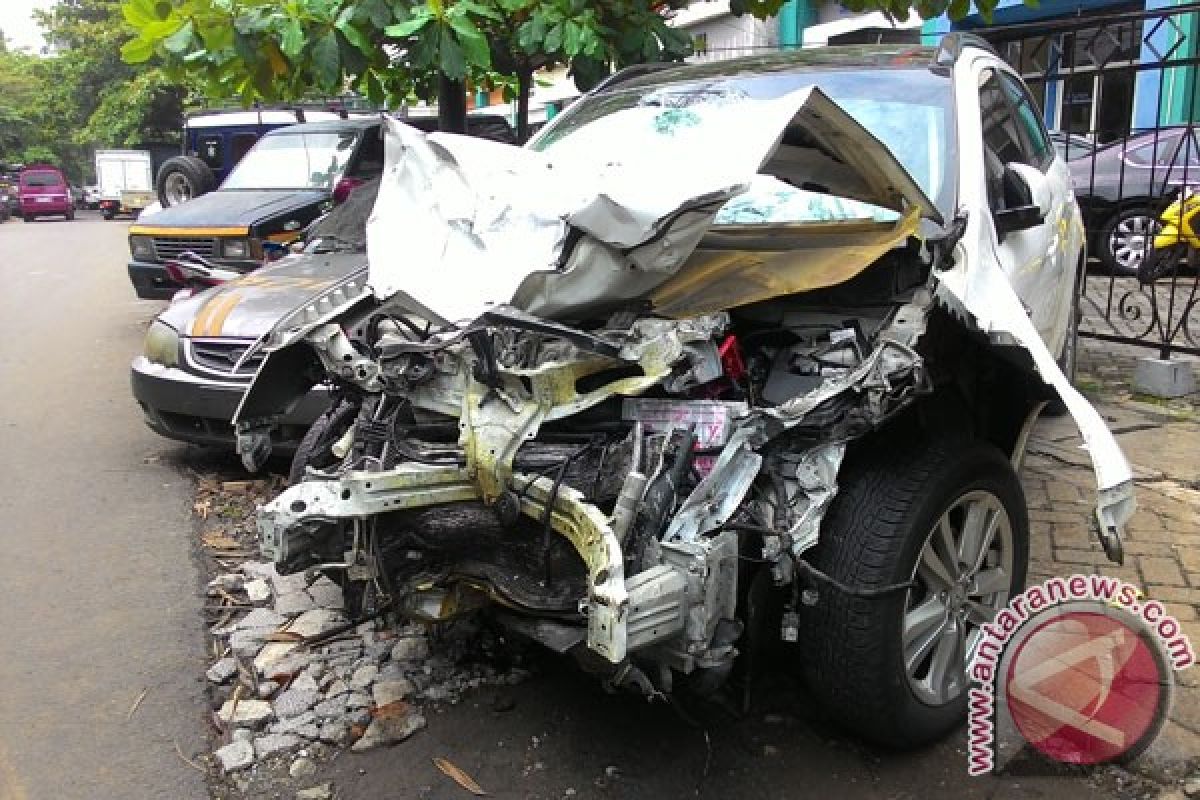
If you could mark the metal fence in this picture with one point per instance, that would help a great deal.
(1119, 93)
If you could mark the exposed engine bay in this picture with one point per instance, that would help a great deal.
(608, 445)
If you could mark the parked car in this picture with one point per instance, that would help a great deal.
(190, 379)
(91, 197)
(285, 182)
(1072, 145)
(657, 400)
(1123, 187)
(42, 190)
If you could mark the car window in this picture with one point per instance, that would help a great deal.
(1001, 137)
(369, 163)
(40, 179)
(1158, 152)
(1029, 122)
(289, 160)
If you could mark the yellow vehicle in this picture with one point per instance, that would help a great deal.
(1179, 231)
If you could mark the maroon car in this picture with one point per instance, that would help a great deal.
(42, 190)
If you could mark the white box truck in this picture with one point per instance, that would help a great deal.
(126, 179)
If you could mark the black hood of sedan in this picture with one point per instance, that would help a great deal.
(249, 208)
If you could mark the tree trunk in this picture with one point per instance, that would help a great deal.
(452, 105)
(524, 85)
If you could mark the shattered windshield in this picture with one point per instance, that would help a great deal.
(294, 161)
(909, 110)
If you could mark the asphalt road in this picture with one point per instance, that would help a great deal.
(99, 597)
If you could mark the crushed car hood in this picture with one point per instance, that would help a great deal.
(580, 227)
(249, 307)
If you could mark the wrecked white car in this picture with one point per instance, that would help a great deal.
(739, 350)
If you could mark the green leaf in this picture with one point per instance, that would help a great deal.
(958, 9)
(553, 39)
(571, 36)
(292, 41)
(138, 12)
(354, 35)
(216, 36)
(180, 40)
(377, 12)
(451, 59)
(474, 44)
(326, 62)
(409, 27)
(136, 51)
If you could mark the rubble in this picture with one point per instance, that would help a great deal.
(316, 681)
(236, 755)
(322, 792)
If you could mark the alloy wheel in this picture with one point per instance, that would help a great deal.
(178, 188)
(1130, 239)
(963, 578)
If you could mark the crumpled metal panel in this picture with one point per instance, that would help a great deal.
(461, 224)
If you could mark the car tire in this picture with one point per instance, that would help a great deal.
(888, 513)
(70, 215)
(1124, 239)
(313, 450)
(181, 178)
(27, 217)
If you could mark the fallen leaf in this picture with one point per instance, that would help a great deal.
(357, 731)
(285, 636)
(395, 710)
(458, 776)
(220, 541)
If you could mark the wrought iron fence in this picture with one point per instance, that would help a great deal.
(1119, 93)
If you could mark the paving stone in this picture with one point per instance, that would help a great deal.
(294, 702)
(271, 658)
(386, 692)
(248, 713)
(274, 743)
(411, 648)
(388, 731)
(302, 768)
(294, 603)
(318, 621)
(321, 792)
(338, 687)
(326, 594)
(358, 700)
(222, 671)
(235, 755)
(334, 732)
(261, 618)
(363, 677)
(333, 708)
(1161, 571)
(257, 590)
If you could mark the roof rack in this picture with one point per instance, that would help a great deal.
(950, 48)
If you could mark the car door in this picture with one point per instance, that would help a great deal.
(1039, 261)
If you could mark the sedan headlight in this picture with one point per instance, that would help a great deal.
(162, 344)
(141, 246)
(235, 248)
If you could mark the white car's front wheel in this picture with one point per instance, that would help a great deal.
(948, 518)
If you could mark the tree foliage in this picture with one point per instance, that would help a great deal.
(62, 106)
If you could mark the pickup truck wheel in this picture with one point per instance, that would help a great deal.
(947, 516)
(181, 178)
(313, 450)
(27, 217)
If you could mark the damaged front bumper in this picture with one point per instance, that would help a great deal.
(620, 616)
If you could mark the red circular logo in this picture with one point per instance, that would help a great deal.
(1086, 687)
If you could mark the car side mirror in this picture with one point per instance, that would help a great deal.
(1027, 199)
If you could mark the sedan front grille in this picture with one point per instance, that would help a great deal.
(221, 356)
(173, 247)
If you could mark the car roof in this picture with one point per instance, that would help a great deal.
(894, 56)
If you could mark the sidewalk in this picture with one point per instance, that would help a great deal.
(1162, 546)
